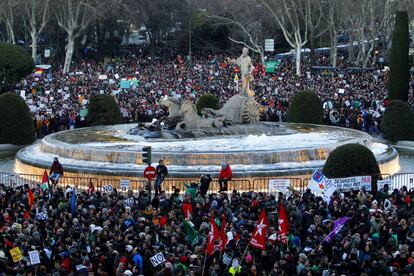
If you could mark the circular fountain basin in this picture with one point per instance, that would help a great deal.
(261, 150)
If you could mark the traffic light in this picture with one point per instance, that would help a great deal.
(146, 155)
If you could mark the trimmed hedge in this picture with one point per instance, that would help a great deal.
(207, 101)
(15, 64)
(351, 160)
(398, 122)
(16, 124)
(399, 67)
(305, 107)
(103, 110)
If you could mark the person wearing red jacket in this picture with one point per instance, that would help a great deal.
(225, 176)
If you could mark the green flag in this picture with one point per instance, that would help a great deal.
(191, 233)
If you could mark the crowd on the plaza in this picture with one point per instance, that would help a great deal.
(93, 232)
(352, 98)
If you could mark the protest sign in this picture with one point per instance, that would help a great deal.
(108, 188)
(129, 202)
(34, 257)
(382, 183)
(124, 184)
(16, 254)
(280, 185)
(353, 183)
(157, 259)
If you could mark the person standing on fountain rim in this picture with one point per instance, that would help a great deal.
(225, 176)
(162, 172)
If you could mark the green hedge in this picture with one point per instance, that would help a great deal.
(103, 110)
(207, 101)
(305, 107)
(15, 64)
(16, 124)
(398, 122)
(399, 67)
(351, 160)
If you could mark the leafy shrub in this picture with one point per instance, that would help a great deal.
(398, 122)
(103, 110)
(305, 107)
(15, 64)
(16, 124)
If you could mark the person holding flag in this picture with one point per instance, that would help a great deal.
(283, 224)
(213, 236)
(258, 239)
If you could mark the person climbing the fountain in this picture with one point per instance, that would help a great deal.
(225, 176)
(56, 171)
(162, 173)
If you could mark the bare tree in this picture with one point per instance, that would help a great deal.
(293, 17)
(7, 10)
(73, 16)
(36, 16)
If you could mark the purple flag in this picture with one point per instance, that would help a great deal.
(338, 225)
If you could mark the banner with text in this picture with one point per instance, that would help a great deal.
(353, 183)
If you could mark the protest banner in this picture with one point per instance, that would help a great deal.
(353, 183)
(16, 254)
(34, 257)
(157, 259)
(280, 185)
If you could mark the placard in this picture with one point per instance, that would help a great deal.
(34, 257)
(382, 183)
(102, 77)
(157, 259)
(16, 254)
(280, 185)
(107, 188)
(83, 112)
(124, 184)
(129, 202)
(42, 216)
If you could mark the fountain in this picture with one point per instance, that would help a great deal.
(192, 145)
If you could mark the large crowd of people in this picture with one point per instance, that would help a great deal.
(95, 233)
(352, 98)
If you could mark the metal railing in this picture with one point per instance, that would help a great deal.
(169, 184)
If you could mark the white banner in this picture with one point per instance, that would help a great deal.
(353, 183)
(102, 77)
(280, 185)
(157, 259)
(329, 189)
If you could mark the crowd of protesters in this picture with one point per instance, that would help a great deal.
(351, 98)
(96, 233)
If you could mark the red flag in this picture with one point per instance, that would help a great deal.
(30, 198)
(163, 221)
(213, 235)
(283, 223)
(259, 235)
(223, 236)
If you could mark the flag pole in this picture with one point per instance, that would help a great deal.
(204, 264)
(244, 254)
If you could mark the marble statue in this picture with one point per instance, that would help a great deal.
(191, 120)
(244, 62)
(173, 107)
(241, 108)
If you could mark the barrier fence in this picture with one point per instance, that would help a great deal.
(169, 184)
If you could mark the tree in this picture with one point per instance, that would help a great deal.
(207, 101)
(7, 10)
(73, 16)
(103, 110)
(305, 107)
(16, 124)
(398, 122)
(36, 16)
(293, 17)
(351, 160)
(15, 64)
(399, 68)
